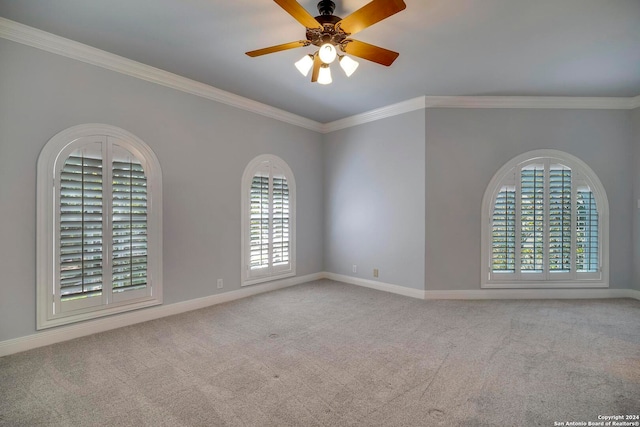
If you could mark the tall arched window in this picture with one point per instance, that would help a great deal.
(99, 225)
(545, 224)
(268, 220)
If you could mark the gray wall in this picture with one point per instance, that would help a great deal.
(374, 200)
(465, 148)
(635, 116)
(402, 194)
(203, 148)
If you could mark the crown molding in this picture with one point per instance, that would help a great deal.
(546, 102)
(48, 42)
(541, 102)
(377, 114)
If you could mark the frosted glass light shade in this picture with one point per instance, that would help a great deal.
(348, 65)
(324, 77)
(327, 53)
(304, 65)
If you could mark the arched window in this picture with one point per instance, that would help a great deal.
(268, 220)
(99, 225)
(545, 224)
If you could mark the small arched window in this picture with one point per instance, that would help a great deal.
(268, 220)
(544, 224)
(99, 225)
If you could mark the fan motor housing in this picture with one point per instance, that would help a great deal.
(328, 33)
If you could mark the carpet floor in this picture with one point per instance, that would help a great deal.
(329, 354)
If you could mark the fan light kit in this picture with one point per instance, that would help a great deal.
(331, 34)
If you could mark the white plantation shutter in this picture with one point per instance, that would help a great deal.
(268, 209)
(259, 228)
(99, 241)
(280, 220)
(92, 226)
(560, 219)
(503, 248)
(129, 225)
(81, 232)
(549, 209)
(532, 219)
(587, 238)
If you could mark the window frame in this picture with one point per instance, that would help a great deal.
(582, 173)
(250, 171)
(54, 153)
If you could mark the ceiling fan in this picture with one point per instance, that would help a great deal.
(332, 35)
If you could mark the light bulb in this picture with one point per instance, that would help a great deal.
(327, 53)
(324, 77)
(348, 65)
(305, 64)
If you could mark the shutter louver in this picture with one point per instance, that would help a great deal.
(129, 226)
(532, 219)
(559, 219)
(80, 227)
(259, 223)
(280, 246)
(504, 231)
(587, 252)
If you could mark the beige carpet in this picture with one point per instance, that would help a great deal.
(330, 354)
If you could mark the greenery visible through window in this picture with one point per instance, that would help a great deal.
(536, 196)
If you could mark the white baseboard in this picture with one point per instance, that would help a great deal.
(65, 333)
(381, 286)
(484, 294)
(632, 293)
(533, 294)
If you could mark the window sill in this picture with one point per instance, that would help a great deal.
(73, 318)
(255, 281)
(542, 285)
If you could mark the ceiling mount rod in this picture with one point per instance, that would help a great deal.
(326, 7)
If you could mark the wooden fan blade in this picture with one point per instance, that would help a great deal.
(300, 14)
(370, 52)
(317, 63)
(369, 14)
(278, 48)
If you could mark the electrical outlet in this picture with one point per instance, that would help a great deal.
(354, 269)
(375, 272)
(220, 284)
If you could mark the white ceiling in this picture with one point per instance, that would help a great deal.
(447, 47)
